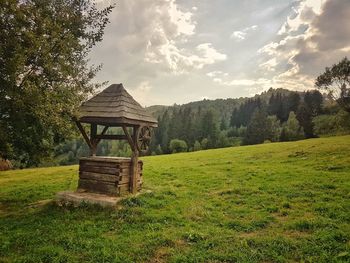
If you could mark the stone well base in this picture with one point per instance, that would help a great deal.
(77, 198)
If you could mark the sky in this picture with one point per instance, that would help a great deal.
(176, 51)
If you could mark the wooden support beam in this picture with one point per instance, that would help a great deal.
(103, 132)
(134, 163)
(82, 131)
(111, 137)
(130, 140)
(94, 142)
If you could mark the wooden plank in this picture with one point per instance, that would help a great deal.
(124, 179)
(97, 187)
(101, 164)
(120, 114)
(104, 187)
(134, 161)
(106, 102)
(102, 133)
(114, 109)
(99, 177)
(94, 142)
(118, 160)
(124, 189)
(116, 121)
(99, 169)
(111, 137)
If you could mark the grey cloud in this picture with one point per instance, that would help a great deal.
(303, 54)
(147, 39)
(331, 34)
(333, 26)
(162, 49)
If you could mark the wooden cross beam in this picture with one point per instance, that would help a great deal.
(102, 133)
(128, 137)
(111, 137)
(82, 131)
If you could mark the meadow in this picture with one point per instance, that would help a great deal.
(277, 202)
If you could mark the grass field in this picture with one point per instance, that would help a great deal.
(280, 202)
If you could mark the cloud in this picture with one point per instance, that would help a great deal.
(253, 85)
(147, 38)
(241, 35)
(216, 73)
(181, 61)
(315, 36)
(162, 49)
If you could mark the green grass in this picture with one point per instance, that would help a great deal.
(279, 202)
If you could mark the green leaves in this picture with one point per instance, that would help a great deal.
(44, 72)
(336, 80)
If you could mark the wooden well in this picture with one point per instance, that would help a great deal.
(107, 175)
(113, 107)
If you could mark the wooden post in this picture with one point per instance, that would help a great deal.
(134, 163)
(93, 132)
(81, 129)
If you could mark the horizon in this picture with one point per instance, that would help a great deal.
(234, 98)
(176, 52)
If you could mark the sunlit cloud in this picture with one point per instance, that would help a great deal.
(241, 35)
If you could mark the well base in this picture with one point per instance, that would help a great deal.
(78, 198)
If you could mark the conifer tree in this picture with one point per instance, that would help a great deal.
(257, 128)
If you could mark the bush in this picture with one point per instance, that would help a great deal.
(223, 140)
(332, 124)
(204, 144)
(197, 146)
(177, 146)
(325, 125)
(292, 131)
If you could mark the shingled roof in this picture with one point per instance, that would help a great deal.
(114, 106)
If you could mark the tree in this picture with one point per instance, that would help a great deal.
(273, 128)
(313, 100)
(204, 144)
(293, 101)
(197, 146)
(243, 114)
(177, 146)
(257, 128)
(44, 71)
(336, 80)
(304, 116)
(159, 150)
(210, 128)
(223, 124)
(292, 130)
(223, 140)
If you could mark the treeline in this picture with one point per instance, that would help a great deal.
(274, 115)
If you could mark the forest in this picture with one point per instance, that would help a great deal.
(272, 116)
(45, 76)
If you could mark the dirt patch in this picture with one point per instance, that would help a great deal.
(250, 234)
(40, 203)
(161, 255)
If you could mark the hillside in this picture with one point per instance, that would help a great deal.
(222, 106)
(277, 202)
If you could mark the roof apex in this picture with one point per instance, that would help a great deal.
(114, 105)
